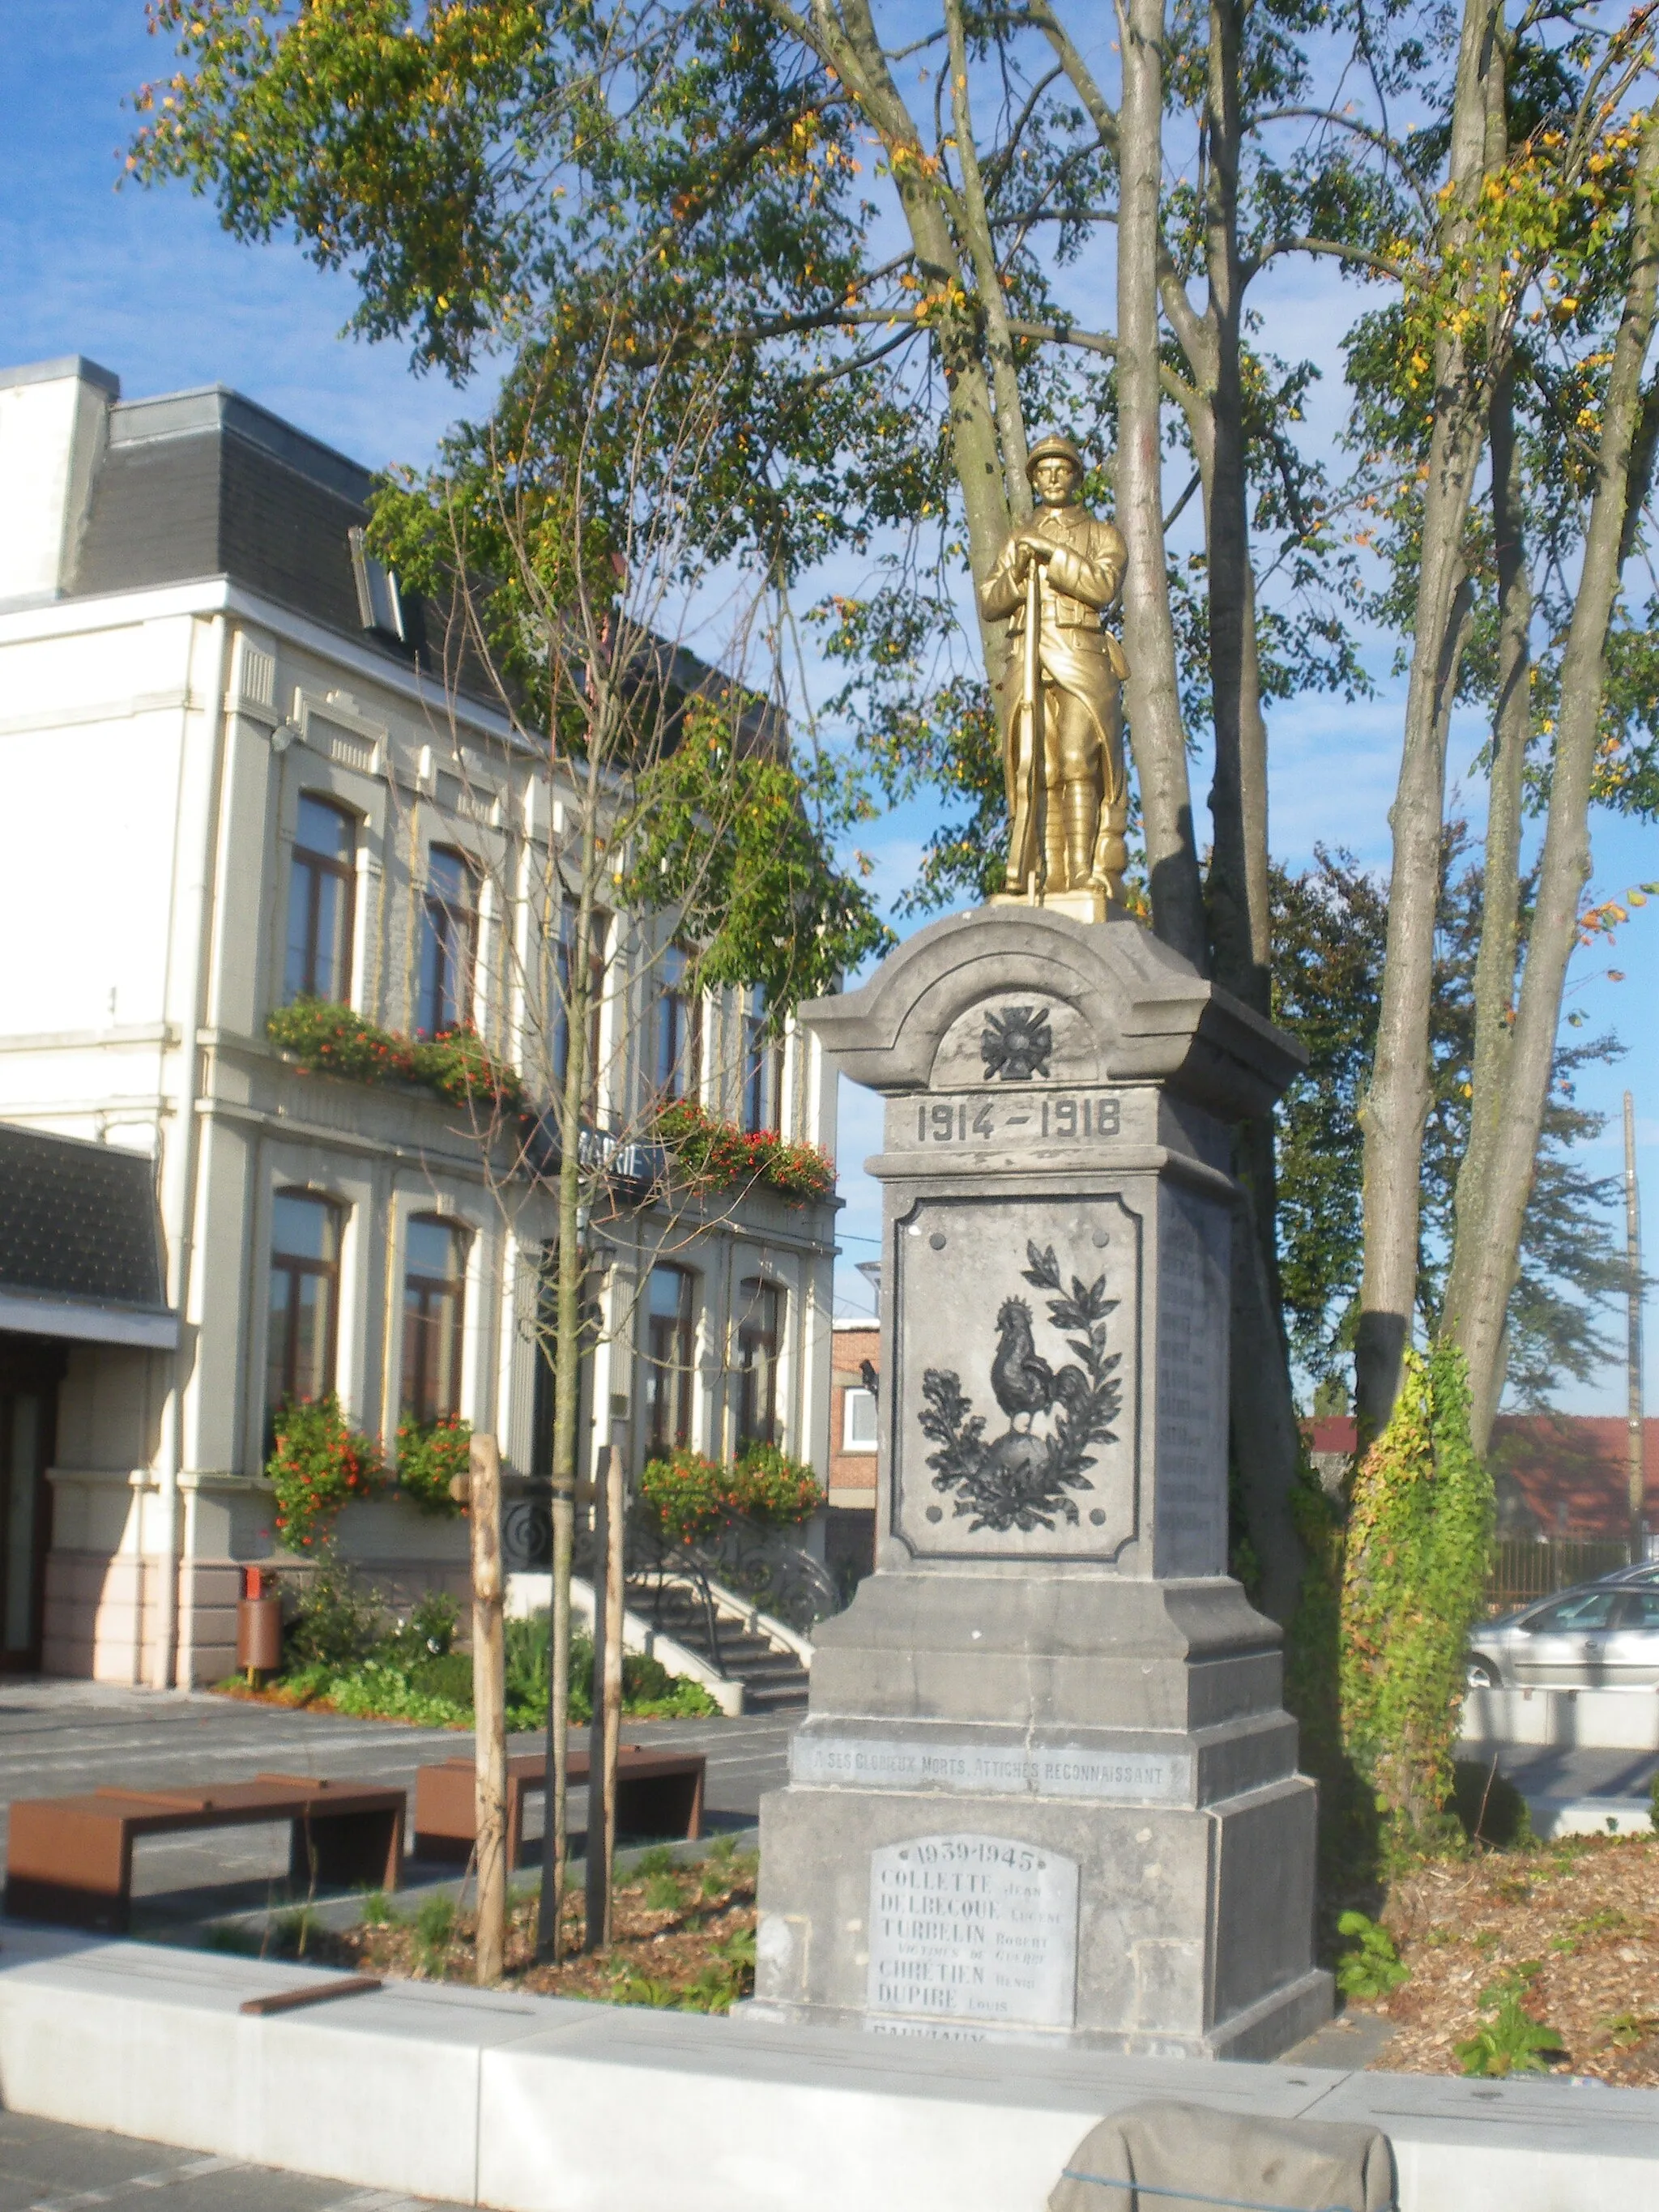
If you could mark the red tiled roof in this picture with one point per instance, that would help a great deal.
(1567, 1469)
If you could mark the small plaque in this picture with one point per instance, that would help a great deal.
(973, 1928)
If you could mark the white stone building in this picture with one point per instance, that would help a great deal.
(227, 778)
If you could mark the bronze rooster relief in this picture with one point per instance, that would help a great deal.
(1021, 1478)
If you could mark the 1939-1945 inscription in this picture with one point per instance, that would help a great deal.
(973, 1928)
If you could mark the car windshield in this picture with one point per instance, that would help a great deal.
(1589, 1608)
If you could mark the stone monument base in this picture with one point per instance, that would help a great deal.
(1138, 1879)
(1089, 904)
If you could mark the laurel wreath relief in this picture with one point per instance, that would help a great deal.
(1024, 1479)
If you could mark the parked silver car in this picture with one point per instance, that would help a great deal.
(1604, 1636)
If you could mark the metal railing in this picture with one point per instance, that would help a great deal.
(1527, 1567)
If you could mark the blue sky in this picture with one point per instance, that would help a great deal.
(147, 283)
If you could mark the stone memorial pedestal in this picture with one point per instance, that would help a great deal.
(1046, 1787)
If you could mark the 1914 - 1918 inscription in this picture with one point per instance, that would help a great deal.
(966, 1928)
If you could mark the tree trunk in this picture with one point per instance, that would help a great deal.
(567, 1382)
(1489, 1269)
(1155, 734)
(1495, 961)
(1397, 1100)
(489, 1707)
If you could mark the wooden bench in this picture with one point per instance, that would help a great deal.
(70, 1859)
(659, 1793)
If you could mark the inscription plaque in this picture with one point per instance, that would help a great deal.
(1104, 1777)
(973, 1928)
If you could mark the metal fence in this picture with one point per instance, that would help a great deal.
(1527, 1567)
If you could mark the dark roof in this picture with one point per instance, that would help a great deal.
(78, 1221)
(205, 483)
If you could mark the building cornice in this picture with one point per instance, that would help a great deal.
(218, 595)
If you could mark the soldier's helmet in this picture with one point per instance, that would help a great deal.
(1054, 447)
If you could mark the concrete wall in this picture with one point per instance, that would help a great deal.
(530, 2105)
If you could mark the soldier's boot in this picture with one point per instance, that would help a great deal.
(1080, 803)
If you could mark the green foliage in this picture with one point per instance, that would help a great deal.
(331, 1040)
(291, 1931)
(693, 1500)
(435, 1931)
(1653, 1800)
(230, 1935)
(1508, 2040)
(1419, 1537)
(430, 1630)
(336, 1621)
(735, 838)
(663, 1892)
(1329, 925)
(1370, 1967)
(660, 1859)
(317, 1463)
(341, 1649)
(711, 1155)
(430, 1455)
(1489, 1809)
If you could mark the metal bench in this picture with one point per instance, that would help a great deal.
(70, 1859)
(659, 1793)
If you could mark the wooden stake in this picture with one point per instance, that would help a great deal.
(489, 1706)
(605, 1736)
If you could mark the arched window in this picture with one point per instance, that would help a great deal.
(305, 1298)
(435, 1314)
(321, 894)
(760, 1328)
(670, 1343)
(449, 942)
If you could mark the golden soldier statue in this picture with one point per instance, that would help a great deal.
(1068, 798)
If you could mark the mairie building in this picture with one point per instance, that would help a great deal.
(233, 782)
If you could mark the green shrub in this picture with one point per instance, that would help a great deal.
(430, 1630)
(448, 1675)
(663, 1893)
(660, 1859)
(645, 1677)
(317, 1464)
(336, 1621)
(1508, 2040)
(435, 1931)
(1489, 1807)
(430, 1455)
(1371, 1967)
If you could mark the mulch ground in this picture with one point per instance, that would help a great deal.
(682, 1938)
(1579, 1920)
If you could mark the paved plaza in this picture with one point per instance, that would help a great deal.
(46, 2167)
(58, 1738)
